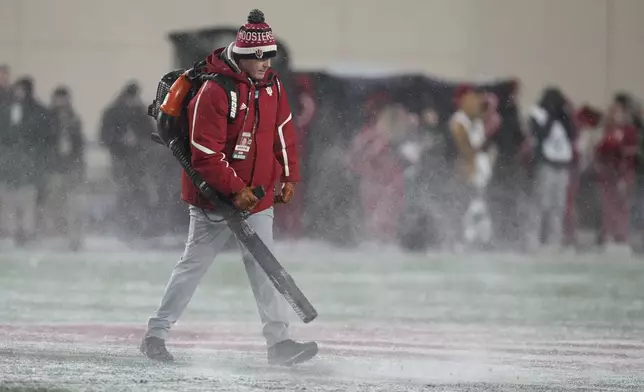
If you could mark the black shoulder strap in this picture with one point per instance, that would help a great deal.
(230, 87)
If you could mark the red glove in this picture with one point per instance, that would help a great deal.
(288, 190)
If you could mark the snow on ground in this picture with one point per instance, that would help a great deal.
(388, 321)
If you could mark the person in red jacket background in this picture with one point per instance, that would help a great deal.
(585, 119)
(290, 221)
(376, 163)
(235, 158)
(616, 155)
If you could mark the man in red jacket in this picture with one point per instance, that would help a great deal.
(234, 158)
(616, 157)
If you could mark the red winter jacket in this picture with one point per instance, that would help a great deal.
(212, 139)
(618, 148)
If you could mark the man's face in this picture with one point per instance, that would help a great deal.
(255, 68)
(60, 101)
(473, 104)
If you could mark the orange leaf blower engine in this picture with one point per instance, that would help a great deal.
(173, 92)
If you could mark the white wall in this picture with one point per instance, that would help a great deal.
(589, 47)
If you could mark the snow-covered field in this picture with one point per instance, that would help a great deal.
(388, 321)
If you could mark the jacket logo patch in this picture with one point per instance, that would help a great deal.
(269, 90)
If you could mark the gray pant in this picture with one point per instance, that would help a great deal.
(551, 187)
(63, 206)
(206, 239)
(18, 210)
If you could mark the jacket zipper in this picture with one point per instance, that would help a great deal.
(253, 132)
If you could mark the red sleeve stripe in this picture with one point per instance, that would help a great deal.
(223, 159)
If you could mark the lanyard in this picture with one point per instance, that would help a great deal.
(245, 139)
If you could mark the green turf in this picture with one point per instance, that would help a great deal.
(494, 315)
(589, 291)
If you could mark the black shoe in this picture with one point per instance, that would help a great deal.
(289, 353)
(154, 348)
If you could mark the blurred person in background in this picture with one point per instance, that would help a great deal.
(552, 138)
(499, 134)
(616, 159)
(635, 110)
(163, 192)
(492, 120)
(25, 140)
(439, 148)
(68, 166)
(473, 168)
(581, 187)
(5, 99)
(5, 85)
(424, 153)
(634, 115)
(331, 172)
(638, 210)
(380, 172)
(505, 192)
(289, 223)
(125, 132)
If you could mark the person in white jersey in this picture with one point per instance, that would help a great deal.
(474, 167)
